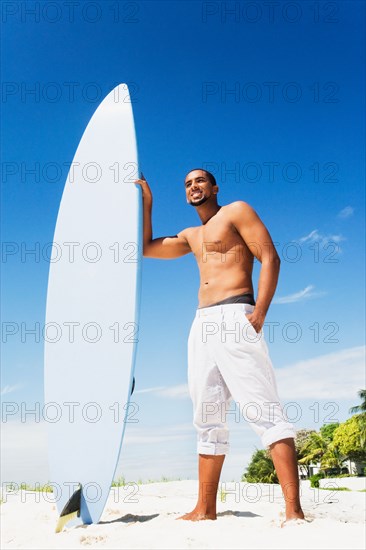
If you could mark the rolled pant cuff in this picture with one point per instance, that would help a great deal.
(212, 448)
(276, 434)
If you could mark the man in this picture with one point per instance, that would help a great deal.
(227, 355)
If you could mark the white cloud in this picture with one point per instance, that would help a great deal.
(150, 390)
(180, 391)
(139, 434)
(333, 376)
(175, 392)
(315, 236)
(10, 389)
(307, 292)
(347, 212)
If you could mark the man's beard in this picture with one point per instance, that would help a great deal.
(198, 203)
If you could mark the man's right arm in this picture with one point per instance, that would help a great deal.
(163, 247)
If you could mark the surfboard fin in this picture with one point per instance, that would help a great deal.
(133, 386)
(71, 510)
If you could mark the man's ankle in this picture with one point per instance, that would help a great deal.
(295, 509)
(205, 509)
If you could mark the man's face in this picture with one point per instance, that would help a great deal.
(198, 188)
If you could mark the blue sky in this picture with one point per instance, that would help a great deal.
(273, 104)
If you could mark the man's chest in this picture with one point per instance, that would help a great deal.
(214, 238)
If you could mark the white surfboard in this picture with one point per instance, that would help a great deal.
(91, 328)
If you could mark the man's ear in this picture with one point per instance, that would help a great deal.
(215, 189)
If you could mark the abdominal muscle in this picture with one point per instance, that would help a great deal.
(219, 280)
(224, 260)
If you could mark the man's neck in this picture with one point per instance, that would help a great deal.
(207, 211)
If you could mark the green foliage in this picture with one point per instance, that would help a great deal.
(119, 482)
(261, 468)
(313, 448)
(350, 437)
(300, 445)
(332, 458)
(314, 480)
(37, 488)
(333, 444)
(360, 408)
(301, 438)
(336, 488)
(331, 447)
(327, 431)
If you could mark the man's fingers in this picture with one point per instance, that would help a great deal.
(248, 316)
(254, 325)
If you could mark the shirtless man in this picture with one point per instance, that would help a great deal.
(221, 367)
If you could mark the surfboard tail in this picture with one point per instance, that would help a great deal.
(71, 510)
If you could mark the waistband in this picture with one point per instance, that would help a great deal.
(214, 310)
(245, 298)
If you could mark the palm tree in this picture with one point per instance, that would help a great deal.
(359, 408)
(261, 468)
(301, 443)
(313, 449)
(332, 458)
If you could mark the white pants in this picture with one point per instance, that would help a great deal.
(228, 359)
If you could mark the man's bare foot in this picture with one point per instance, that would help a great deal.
(294, 521)
(196, 515)
(294, 517)
(294, 514)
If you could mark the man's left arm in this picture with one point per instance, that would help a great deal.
(258, 240)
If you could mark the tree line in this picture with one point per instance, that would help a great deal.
(329, 448)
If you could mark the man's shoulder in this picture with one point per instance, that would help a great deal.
(238, 207)
(188, 231)
(191, 229)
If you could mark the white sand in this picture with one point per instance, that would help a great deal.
(250, 518)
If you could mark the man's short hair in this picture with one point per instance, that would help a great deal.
(210, 176)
